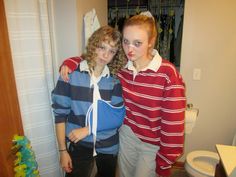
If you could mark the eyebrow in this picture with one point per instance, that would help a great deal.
(133, 40)
(110, 46)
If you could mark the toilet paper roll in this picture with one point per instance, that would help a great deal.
(190, 119)
(191, 115)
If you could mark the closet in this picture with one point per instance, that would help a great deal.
(169, 19)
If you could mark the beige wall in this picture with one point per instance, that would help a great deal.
(209, 43)
(67, 21)
(83, 6)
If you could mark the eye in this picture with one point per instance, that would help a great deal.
(137, 43)
(125, 41)
(113, 52)
(102, 47)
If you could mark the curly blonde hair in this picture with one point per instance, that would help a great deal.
(105, 34)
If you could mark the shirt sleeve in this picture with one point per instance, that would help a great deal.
(72, 63)
(61, 101)
(172, 124)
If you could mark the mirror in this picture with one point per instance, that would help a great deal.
(169, 18)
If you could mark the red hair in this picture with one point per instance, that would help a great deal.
(148, 23)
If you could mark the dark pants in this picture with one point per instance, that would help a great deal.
(83, 162)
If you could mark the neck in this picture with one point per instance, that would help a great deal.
(141, 64)
(97, 71)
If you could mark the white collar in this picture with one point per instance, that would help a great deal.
(153, 65)
(84, 67)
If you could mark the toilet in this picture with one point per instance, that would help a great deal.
(202, 163)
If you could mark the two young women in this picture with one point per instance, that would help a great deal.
(152, 134)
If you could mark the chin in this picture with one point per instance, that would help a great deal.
(132, 59)
(104, 62)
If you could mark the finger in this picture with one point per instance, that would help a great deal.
(67, 71)
(72, 138)
(76, 140)
(64, 73)
(65, 76)
(67, 169)
(71, 135)
(64, 168)
(61, 73)
(70, 164)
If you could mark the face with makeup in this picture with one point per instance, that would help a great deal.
(136, 43)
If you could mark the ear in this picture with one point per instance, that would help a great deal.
(152, 42)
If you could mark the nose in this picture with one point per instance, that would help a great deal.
(106, 53)
(130, 48)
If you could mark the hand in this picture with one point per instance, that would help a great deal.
(78, 134)
(64, 72)
(65, 161)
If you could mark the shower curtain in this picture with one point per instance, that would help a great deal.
(34, 62)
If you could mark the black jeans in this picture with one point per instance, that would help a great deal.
(83, 162)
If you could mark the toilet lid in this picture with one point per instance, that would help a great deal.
(203, 161)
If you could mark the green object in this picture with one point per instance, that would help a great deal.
(25, 164)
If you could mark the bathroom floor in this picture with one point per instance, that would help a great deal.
(178, 172)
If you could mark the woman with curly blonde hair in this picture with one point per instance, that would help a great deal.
(89, 108)
(105, 33)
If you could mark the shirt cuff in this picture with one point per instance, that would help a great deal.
(163, 172)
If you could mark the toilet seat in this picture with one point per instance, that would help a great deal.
(203, 162)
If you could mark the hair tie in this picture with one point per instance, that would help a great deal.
(147, 13)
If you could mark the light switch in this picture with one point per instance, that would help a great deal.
(197, 74)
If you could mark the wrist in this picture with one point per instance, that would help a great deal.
(62, 150)
(62, 145)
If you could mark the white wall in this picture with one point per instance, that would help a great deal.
(66, 32)
(209, 43)
(68, 22)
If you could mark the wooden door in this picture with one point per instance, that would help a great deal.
(10, 119)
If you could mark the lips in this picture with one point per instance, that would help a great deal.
(130, 54)
(103, 61)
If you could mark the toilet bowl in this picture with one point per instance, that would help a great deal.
(201, 163)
